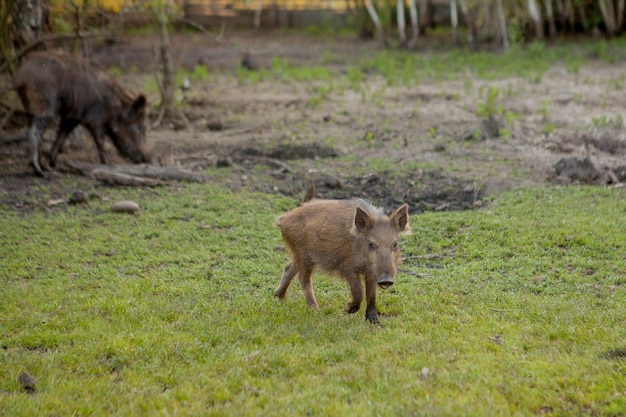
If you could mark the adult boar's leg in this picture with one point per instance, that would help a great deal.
(97, 132)
(65, 127)
(35, 132)
(371, 313)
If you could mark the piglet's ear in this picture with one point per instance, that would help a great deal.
(400, 217)
(362, 220)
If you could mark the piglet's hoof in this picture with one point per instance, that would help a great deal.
(372, 316)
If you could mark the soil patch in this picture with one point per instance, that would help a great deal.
(423, 144)
(289, 152)
(277, 170)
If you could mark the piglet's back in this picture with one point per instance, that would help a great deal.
(329, 215)
(323, 228)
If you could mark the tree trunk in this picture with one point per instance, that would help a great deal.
(503, 31)
(30, 21)
(5, 35)
(571, 15)
(454, 20)
(486, 26)
(256, 23)
(583, 16)
(401, 22)
(560, 12)
(620, 15)
(372, 12)
(470, 16)
(550, 17)
(415, 30)
(535, 16)
(168, 81)
(608, 15)
(424, 19)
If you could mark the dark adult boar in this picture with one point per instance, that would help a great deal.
(351, 238)
(55, 84)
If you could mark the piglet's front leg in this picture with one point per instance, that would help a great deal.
(371, 313)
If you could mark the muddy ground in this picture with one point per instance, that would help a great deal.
(422, 144)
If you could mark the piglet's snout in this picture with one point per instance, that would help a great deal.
(385, 281)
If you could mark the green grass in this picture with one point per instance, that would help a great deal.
(516, 309)
(281, 70)
(409, 69)
(490, 106)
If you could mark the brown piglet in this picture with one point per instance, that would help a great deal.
(351, 238)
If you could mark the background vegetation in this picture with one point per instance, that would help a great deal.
(483, 21)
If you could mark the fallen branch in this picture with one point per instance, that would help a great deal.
(14, 138)
(118, 178)
(271, 162)
(139, 171)
(238, 131)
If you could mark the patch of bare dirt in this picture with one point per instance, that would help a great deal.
(422, 144)
(422, 189)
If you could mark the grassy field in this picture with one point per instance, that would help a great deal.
(515, 309)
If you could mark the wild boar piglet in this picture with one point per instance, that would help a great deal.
(351, 238)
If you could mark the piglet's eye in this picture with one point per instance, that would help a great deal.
(371, 246)
(394, 246)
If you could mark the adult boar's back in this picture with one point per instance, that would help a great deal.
(55, 84)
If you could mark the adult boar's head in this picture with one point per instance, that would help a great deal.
(128, 130)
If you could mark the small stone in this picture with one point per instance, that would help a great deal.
(332, 182)
(440, 147)
(27, 382)
(215, 125)
(224, 162)
(125, 206)
(77, 197)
